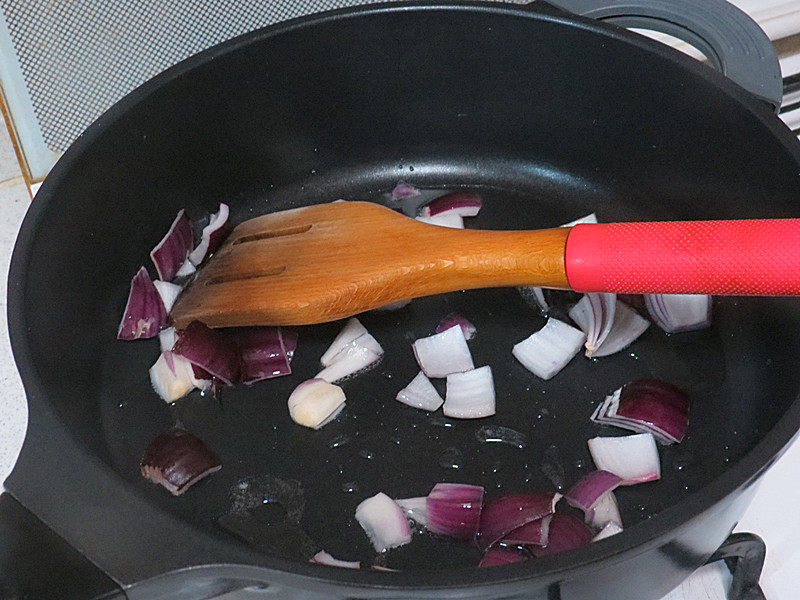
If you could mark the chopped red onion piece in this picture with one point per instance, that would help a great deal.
(448, 219)
(404, 190)
(168, 292)
(174, 247)
(349, 361)
(167, 338)
(628, 326)
(444, 353)
(675, 313)
(594, 314)
(452, 320)
(590, 218)
(265, 352)
(144, 314)
(460, 203)
(566, 532)
(588, 491)
(171, 377)
(323, 558)
(507, 513)
(315, 403)
(470, 395)
(496, 556)
(647, 405)
(384, 522)
(209, 349)
(352, 334)
(534, 533)
(177, 460)
(454, 509)
(549, 350)
(415, 509)
(608, 530)
(420, 393)
(606, 510)
(634, 458)
(212, 237)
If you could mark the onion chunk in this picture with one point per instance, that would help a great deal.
(315, 403)
(420, 393)
(174, 247)
(470, 395)
(549, 350)
(177, 460)
(633, 458)
(144, 314)
(675, 313)
(444, 353)
(384, 522)
(454, 510)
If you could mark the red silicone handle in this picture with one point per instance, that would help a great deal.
(753, 257)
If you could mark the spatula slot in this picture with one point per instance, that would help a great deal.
(244, 276)
(265, 235)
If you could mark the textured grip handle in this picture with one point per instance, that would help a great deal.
(754, 257)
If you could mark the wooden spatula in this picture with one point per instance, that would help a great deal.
(329, 261)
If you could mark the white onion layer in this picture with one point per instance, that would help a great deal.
(608, 530)
(352, 330)
(628, 326)
(634, 458)
(168, 291)
(594, 314)
(384, 522)
(470, 395)
(415, 509)
(315, 403)
(349, 361)
(590, 218)
(323, 558)
(420, 393)
(171, 376)
(548, 350)
(186, 269)
(605, 511)
(444, 353)
(679, 312)
(167, 338)
(446, 219)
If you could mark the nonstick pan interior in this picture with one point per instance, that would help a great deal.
(546, 134)
(275, 469)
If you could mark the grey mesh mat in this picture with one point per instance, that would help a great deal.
(78, 57)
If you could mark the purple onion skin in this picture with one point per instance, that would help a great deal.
(454, 510)
(507, 513)
(174, 247)
(534, 533)
(566, 532)
(265, 352)
(177, 460)
(586, 491)
(495, 556)
(453, 201)
(144, 314)
(209, 349)
(215, 240)
(658, 403)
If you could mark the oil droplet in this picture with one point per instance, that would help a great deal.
(579, 464)
(368, 454)
(339, 441)
(553, 467)
(440, 422)
(349, 487)
(451, 458)
(411, 167)
(498, 434)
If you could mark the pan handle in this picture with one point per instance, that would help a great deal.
(732, 41)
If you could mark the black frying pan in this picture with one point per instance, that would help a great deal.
(549, 116)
